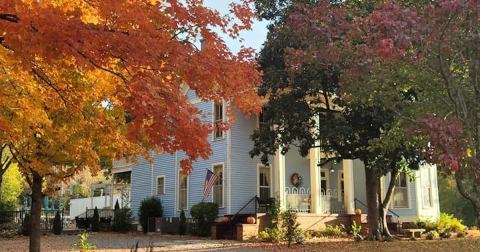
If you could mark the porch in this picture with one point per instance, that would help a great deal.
(304, 186)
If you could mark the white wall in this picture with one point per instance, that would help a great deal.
(78, 206)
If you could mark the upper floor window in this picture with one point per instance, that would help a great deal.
(400, 195)
(182, 191)
(161, 185)
(218, 120)
(218, 186)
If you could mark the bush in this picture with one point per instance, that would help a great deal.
(331, 230)
(26, 228)
(431, 235)
(448, 223)
(83, 244)
(122, 220)
(426, 224)
(461, 234)
(95, 220)
(149, 208)
(271, 235)
(57, 226)
(292, 232)
(355, 229)
(204, 213)
(182, 226)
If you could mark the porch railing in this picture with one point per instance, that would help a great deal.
(298, 199)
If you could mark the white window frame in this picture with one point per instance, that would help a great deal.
(258, 179)
(214, 122)
(327, 179)
(178, 191)
(409, 196)
(430, 191)
(223, 183)
(258, 119)
(339, 188)
(164, 180)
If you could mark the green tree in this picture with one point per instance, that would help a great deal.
(11, 188)
(149, 208)
(311, 104)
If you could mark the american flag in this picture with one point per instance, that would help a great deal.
(209, 182)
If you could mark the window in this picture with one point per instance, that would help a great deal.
(218, 186)
(218, 120)
(262, 120)
(323, 181)
(400, 196)
(427, 188)
(182, 191)
(264, 180)
(161, 185)
(341, 185)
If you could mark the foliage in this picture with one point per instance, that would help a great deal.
(204, 214)
(106, 79)
(182, 226)
(461, 234)
(431, 235)
(12, 186)
(331, 230)
(26, 225)
(356, 229)
(445, 223)
(291, 231)
(452, 202)
(274, 235)
(83, 244)
(122, 220)
(57, 226)
(448, 223)
(149, 208)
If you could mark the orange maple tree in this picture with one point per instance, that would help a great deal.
(80, 80)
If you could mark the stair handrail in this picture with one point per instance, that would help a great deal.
(244, 206)
(365, 205)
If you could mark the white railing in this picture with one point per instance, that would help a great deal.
(298, 199)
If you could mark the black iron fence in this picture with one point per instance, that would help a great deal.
(18, 217)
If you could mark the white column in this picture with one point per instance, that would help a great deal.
(315, 207)
(349, 186)
(279, 172)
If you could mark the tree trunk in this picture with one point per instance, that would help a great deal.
(385, 203)
(371, 183)
(35, 212)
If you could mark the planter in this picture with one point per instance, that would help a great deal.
(358, 211)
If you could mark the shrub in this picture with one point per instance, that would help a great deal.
(204, 213)
(83, 244)
(95, 220)
(292, 232)
(149, 208)
(426, 224)
(448, 223)
(122, 220)
(355, 229)
(271, 235)
(461, 234)
(331, 230)
(57, 226)
(431, 235)
(26, 228)
(182, 226)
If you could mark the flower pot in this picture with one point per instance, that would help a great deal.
(358, 211)
(225, 219)
(251, 220)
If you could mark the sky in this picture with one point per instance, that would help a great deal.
(253, 38)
